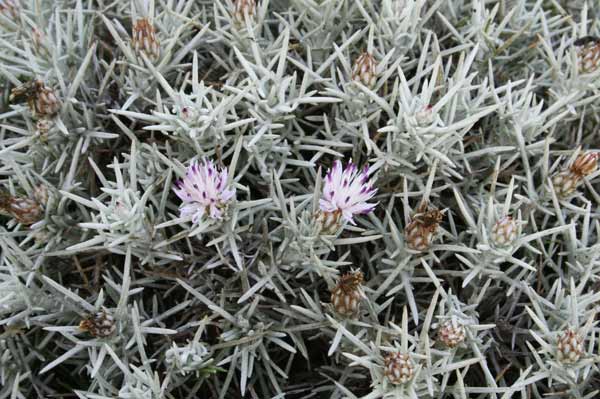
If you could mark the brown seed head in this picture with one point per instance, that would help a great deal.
(143, 38)
(24, 210)
(350, 281)
(41, 99)
(26, 91)
(585, 164)
(99, 325)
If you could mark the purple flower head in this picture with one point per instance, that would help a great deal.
(203, 191)
(347, 191)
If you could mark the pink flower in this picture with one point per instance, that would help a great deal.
(347, 191)
(203, 191)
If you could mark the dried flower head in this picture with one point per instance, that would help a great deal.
(204, 191)
(143, 38)
(244, 7)
(504, 231)
(99, 325)
(565, 182)
(585, 164)
(24, 210)
(588, 53)
(398, 368)
(569, 347)
(347, 294)
(346, 192)
(421, 230)
(41, 99)
(365, 70)
(451, 334)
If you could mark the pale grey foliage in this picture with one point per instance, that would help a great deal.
(473, 106)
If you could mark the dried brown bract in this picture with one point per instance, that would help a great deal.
(420, 232)
(346, 295)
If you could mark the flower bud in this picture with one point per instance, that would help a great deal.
(365, 70)
(504, 232)
(588, 54)
(46, 103)
(346, 296)
(420, 232)
(399, 369)
(99, 325)
(451, 334)
(565, 183)
(569, 347)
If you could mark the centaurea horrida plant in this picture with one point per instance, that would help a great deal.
(464, 262)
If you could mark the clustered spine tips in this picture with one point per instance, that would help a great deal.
(204, 191)
(398, 368)
(143, 38)
(420, 232)
(451, 334)
(504, 231)
(99, 325)
(565, 182)
(569, 347)
(347, 294)
(345, 194)
(365, 70)
(588, 54)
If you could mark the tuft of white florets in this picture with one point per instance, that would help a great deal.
(204, 191)
(346, 191)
